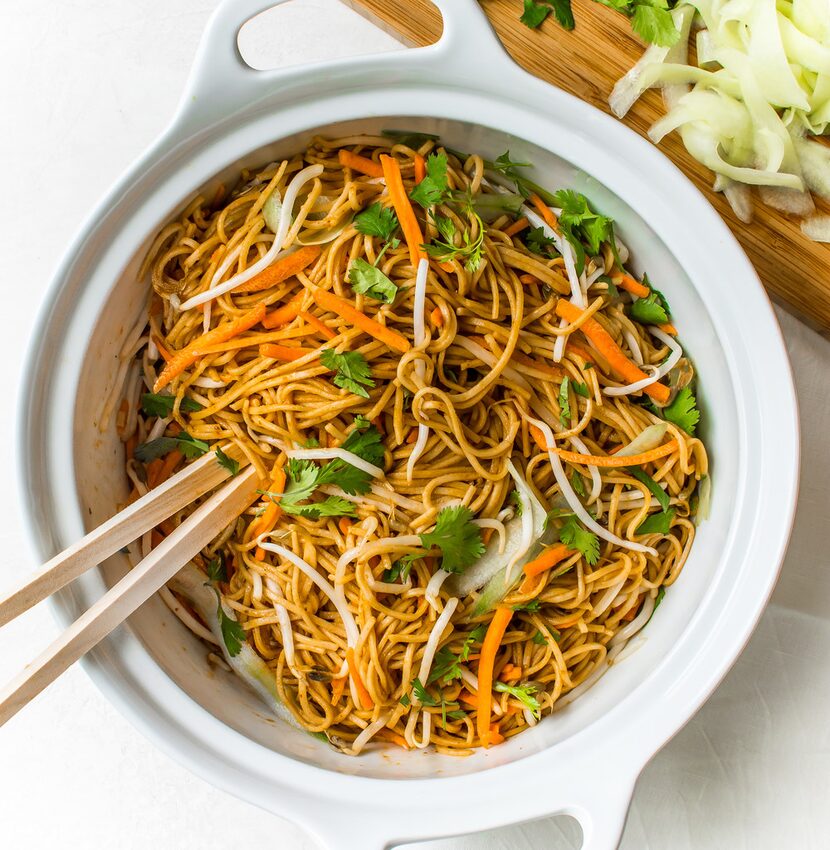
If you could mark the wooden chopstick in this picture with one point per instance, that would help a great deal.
(145, 513)
(137, 586)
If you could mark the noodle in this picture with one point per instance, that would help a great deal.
(405, 416)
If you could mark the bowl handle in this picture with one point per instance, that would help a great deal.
(221, 82)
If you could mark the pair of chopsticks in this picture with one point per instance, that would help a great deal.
(154, 571)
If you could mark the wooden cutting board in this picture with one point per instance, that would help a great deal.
(587, 62)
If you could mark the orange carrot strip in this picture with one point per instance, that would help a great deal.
(188, 355)
(668, 328)
(468, 699)
(486, 534)
(273, 511)
(547, 368)
(283, 352)
(170, 463)
(545, 211)
(337, 688)
(511, 673)
(393, 737)
(163, 350)
(494, 736)
(283, 315)
(437, 317)
(420, 167)
(406, 215)
(329, 301)
(630, 284)
(487, 662)
(324, 329)
(282, 269)
(548, 558)
(153, 470)
(411, 436)
(610, 350)
(517, 227)
(359, 163)
(614, 462)
(529, 279)
(365, 697)
(344, 524)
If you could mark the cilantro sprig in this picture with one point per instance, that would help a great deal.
(470, 248)
(189, 446)
(648, 310)
(657, 523)
(377, 220)
(524, 694)
(579, 223)
(232, 632)
(434, 187)
(366, 279)
(446, 665)
(353, 373)
(458, 538)
(683, 411)
(156, 404)
(564, 402)
(575, 536)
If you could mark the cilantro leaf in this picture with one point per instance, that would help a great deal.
(432, 189)
(302, 480)
(458, 538)
(515, 499)
(353, 372)
(656, 490)
(661, 299)
(578, 219)
(573, 535)
(311, 443)
(524, 694)
(533, 605)
(581, 389)
(331, 506)
(578, 484)
(420, 693)
(366, 442)
(534, 13)
(653, 22)
(377, 220)
(367, 279)
(348, 478)
(564, 402)
(445, 248)
(227, 462)
(683, 411)
(536, 241)
(216, 568)
(401, 568)
(648, 310)
(189, 446)
(232, 632)
(504, 164)
(445, 666)
(475, 636)
(657, 523)
(657, 600)
(156, 404)
(539, 639)
(563, 13)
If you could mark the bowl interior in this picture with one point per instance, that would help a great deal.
(101, 483)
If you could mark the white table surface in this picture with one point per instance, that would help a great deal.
(86, 85)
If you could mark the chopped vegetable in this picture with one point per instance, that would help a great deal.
(657, 600)
(400, 569)
(406, 216)
(533, 605)
(613, 461)
(155, 404)
(683, 411)
(216, 570)
(581, 389)
(578, 484)
(564, 403)
(232, 632)
(575, 537)
(283, 315)
(353, 372)
(367, 279)
(524, 694)
(656, 490)
(285, 267)
(486, 665)
(536, 241)
(458, 538)
(189, 446)
(648, 310)
(579, 219)
(288, 353)
(359, 163)
(470, 249)
(227, 462)
(329, 301)
(365, 697)
(515, 498)
(434, 187)
(421, 694)
(377, 220)
(657, 523)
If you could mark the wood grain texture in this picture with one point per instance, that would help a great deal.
(587, 62)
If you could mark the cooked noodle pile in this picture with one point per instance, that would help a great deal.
(438, 380)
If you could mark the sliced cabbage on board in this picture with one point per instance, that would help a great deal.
(750, 107)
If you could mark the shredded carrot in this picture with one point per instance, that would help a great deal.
(420, 167)
(494, 736)
(337, 688)
(510, 673)
(517, 227)
(630, 615)
(129, 446)
(329, 301)
(265, 523)
(153, 469)
(629, 284)
(344, 524)
(668, 328)
(406, 215)
(538, 438)
(610, 350)
(529, 279)
(437, 317)
(282, 269)
(163, 350)
(612, 461)
(468, 699)
(284, 352)
(378, 423)
(524, 360)
(365, 697)
(283, 315)
(549, 558)
(359, 163)
(545, 211)
(171, 461)
(486, 534)
(324, 329)
(412, 436)
(393, 737)
(487, 662)
(191, 353)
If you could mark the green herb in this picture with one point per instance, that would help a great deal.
(657, 600)
(232, 632)
(475, 636)
(524, 694)
(444, 249)
(367, 279)
(660, 297)
(216, 568)
(515, 499)
(353, 372)
(457, 714)
(578, 217)
(656, 490)
(657, 523)
(575, 536)
(533, 606)
(189, 446)
(489, 206)
(578, 484)
(365, 441)
(311, 443)
(536, 241)
(320, 736)
(420, 693)
(331, 506)
(445, 666)
(506, 165)
(539, 639)
(648, 310)
(377, 220)
(155, 404)
(555, 513)
(458, 538)
(589, 365)
(564, 402)
(581, 389)
(400, 569)
(433, 188)
(410, 138)
(683, 411)
(405, 701)
(534, 13)
(227, 462)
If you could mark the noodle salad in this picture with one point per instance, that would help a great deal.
(473, 425)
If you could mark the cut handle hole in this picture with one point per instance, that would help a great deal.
(307, 31)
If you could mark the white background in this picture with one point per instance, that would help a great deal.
(85, 85)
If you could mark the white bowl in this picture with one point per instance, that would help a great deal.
(585, 759)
